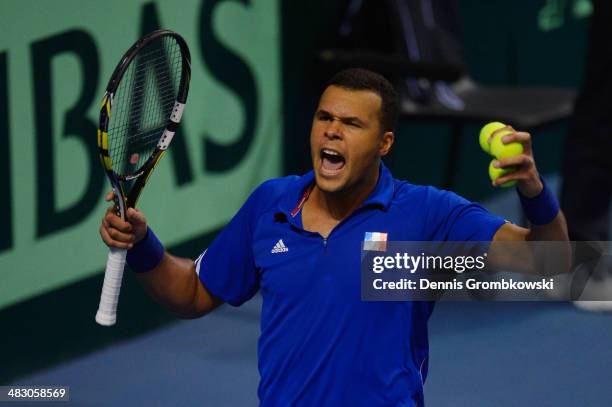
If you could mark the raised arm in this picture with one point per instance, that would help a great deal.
(540, 206)
(170, 280)
(556, 230)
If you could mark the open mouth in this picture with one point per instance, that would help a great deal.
(331, 161)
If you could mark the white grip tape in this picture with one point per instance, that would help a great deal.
(177, 112)
(107, 311)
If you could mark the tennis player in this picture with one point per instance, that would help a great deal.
(297, 241)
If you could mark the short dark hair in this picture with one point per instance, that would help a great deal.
(362, 79)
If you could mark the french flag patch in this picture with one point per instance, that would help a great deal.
(375, 241)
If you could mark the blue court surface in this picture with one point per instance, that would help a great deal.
(482, 354)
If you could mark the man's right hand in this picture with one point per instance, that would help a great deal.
(116, 232)
(174, 282)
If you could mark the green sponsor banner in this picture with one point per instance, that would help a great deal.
(55, 60)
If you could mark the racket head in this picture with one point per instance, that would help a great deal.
(141, 110)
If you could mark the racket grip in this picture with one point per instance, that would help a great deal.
(107, 310)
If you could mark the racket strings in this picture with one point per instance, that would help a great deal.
(154, 78)
(143, 103)
(167, 97)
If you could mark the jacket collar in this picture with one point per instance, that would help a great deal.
(299, 190)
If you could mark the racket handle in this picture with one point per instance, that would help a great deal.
(107, 311)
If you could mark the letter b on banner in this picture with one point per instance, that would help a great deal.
(50, 218)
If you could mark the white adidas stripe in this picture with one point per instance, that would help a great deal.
(279, 247)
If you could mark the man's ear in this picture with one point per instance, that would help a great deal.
(386, 142)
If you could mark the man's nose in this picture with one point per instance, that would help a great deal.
(334, 129)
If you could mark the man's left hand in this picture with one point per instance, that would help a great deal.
(529, 183)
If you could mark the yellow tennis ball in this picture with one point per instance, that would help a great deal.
(495, 173)
(501, 150)
(485, 134)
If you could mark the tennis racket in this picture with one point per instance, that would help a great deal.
(141, 110)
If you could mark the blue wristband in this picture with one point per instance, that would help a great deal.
(146, 254)
(542, 209)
